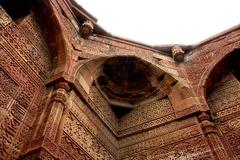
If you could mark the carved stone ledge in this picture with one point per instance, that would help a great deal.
(177, 53)
(86, 29)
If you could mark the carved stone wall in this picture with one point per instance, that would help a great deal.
(46, 113)
(103, 109)
(22, 76)
(224, 104)
(146, 116)
(174, 140)
(93, 136)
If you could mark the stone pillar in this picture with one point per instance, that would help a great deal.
(57, 106)
(48, 128)
(212, 136)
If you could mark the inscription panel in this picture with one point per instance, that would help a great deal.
(73, 149)
(103, 108)
(85, 116)
(193, 148)
(224, 98)
(231, 133)
(224, 102)
(157, 131)
(85, 139)
(159, 111)
(30, 28)
(180, 143)
(20, 80)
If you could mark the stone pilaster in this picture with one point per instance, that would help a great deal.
(49, 125)
(212, 136)
(57, 106)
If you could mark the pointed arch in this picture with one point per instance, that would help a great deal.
(53, 27)
(214, 70)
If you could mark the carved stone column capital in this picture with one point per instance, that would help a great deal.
(177, 53)
(203, 116)
(208, 127)
(206, 124)
(63, 85)
(86, 29)
(60, 92)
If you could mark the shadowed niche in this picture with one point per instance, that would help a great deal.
(129, 81)
(17, 8)
(229, 65)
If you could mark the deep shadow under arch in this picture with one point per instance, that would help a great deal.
(223, 99)
(230, 63)
(125, 81)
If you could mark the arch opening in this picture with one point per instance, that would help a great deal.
(125, 82)
(17, 9)
(223, 98)
(229, 65)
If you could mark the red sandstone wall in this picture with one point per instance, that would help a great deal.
(224, 103)
(24, 66)
(73, 124)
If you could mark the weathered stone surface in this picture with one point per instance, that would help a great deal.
(71, 91)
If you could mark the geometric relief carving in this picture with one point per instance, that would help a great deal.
(148, 113)
(73, 149)
(136, 145)
(161, 132)
(23, 137)
(4, 99)
(84, 139)
(4, 18)
(8, 129)
(7, 84)
(39, 53)
(18, 111)
(225, 96)
(66, 156)
(8, 89)
(103, 108)
(100, 127)
(18, 73)
(35, 56)
(224, 102)
(147, 125)
(11, 115)
(191, 148)
(195, 148)
(18, 86)
(85, 116)
(231, 133)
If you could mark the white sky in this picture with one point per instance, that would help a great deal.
(164, 21)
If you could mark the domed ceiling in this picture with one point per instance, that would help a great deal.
(127, 82)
